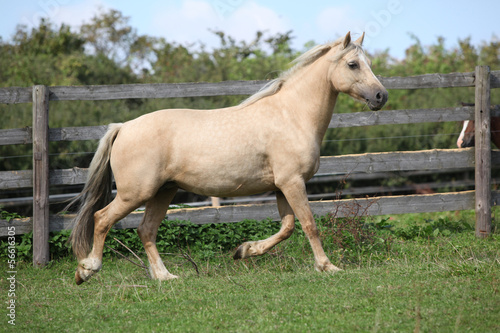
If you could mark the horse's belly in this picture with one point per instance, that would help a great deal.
(228, 190)
(225, 180)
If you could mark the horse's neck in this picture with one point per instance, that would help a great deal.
(309, 97)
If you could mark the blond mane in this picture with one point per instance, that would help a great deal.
(300, 62)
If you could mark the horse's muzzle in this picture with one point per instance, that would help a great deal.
(466, 142)
(378, 100)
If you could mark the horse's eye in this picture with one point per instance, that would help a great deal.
(353, 65)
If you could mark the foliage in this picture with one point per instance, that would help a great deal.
(5, 215)
(429, 228)
(346, 238)
(206, 239)
(210, 239)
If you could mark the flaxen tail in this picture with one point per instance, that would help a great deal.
(95, 195)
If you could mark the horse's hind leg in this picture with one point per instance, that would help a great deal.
(104, 220)
(156, 209)
(249, 249)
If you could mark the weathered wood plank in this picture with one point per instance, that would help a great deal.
(16, 179)
(24, 178)
(77, 133)
(435, 159)
(392, 117)
(225, 214)
(341, 120)
(483, 152)
(73, 176)
(21, 226)
(158, 90)
(41, 255)
(15, 136)
(435, 80)
(203, 89)
(398, 161)
(15, 95)
(23, 135)
(494, 79)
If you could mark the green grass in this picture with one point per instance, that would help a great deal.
(448, 283)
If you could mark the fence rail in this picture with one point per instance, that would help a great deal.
(437, 159)
(403, 204)
(345, 164)
(16, 95)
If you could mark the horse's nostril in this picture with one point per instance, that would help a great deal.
(378, 96)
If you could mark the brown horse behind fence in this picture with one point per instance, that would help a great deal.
(271, 141)
(466, 137)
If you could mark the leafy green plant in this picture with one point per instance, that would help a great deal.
(207, 239)
(431, 228)
(25, 247)
(58, 244)
(5, 215)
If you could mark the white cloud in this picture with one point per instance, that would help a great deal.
(252, 17)
(75, 15)
(187, 23)
(191, 21)
(60, 11)
(337, 21)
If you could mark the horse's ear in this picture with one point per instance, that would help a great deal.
(359, 41)
(347, 40)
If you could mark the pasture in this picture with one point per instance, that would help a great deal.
(429, 274)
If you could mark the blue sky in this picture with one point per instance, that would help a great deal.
(388, 24)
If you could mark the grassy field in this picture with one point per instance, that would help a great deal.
(447, 282)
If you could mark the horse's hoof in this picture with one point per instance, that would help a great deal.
(330, 268)
(248, 249)
(86, 268)
(167, 277)
(78, 279)
(239, 253)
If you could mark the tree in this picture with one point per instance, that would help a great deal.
(109, 34)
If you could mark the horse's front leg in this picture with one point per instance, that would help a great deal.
(295, 193)
(256, 248)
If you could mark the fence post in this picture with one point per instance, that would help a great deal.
(41, 254)
(483, 152)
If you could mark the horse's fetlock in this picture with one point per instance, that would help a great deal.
(91, 264)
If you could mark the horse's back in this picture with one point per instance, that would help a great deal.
(210, 152)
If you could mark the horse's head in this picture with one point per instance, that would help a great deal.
(466, 138)
(351, 74)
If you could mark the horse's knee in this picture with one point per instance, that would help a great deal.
(310, 229)
(146, 234)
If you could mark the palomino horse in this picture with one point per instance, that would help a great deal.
(466, 137)
(271, 141)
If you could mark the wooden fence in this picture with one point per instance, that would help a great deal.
(481, 157)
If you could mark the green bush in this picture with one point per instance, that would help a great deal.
(351, 237)
(205, 239)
